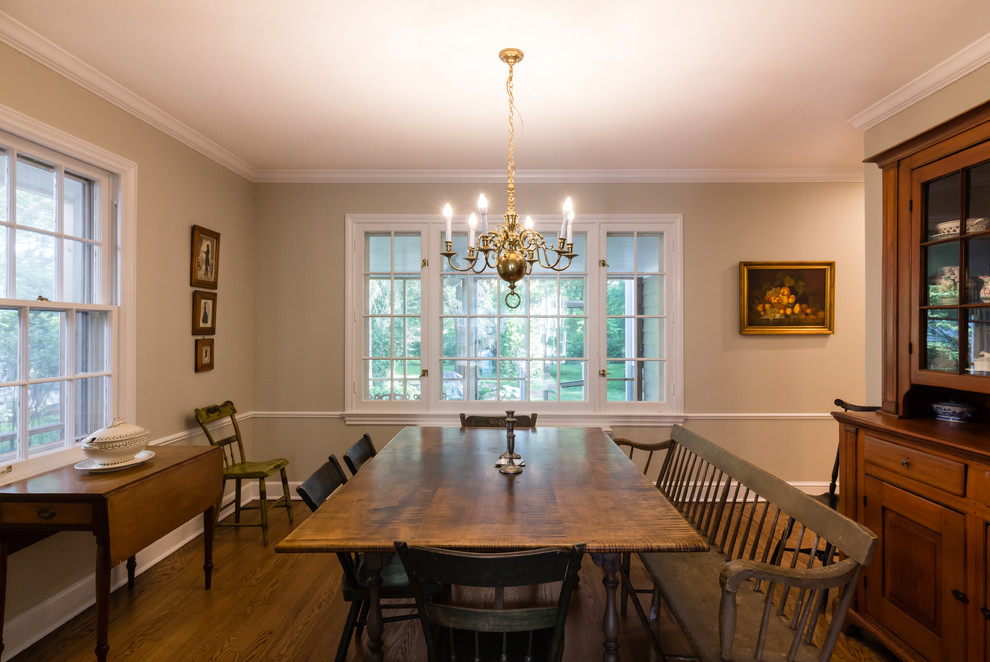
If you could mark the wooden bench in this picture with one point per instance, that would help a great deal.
(751, 597)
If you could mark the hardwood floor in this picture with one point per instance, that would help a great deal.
(272, 607)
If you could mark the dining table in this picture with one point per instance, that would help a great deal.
(440, 487)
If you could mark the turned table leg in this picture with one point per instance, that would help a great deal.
(610, 619)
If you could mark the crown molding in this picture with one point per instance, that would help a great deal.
(22, 38)
(941, 75)
(700, 175)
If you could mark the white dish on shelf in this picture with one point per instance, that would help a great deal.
(96, 467)
(977, 224)
(947, 227)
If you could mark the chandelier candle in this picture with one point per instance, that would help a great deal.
(509, 249)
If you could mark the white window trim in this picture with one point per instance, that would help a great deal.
(440, 412)
(124, 353)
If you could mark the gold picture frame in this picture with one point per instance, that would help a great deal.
(777, 298)
(205, 262)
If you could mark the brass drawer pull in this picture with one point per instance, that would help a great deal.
(46, 513)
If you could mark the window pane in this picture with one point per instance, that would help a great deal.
(512, 340)
(3, 188)
(379, 330)
(572, 338)
(44, 344)
(413, 337)
(413, 295)
(621, 381)
(650, 381)
(81, 272)
(619, 252)
(484, 337)
(573, 380)
(572, 296)
(620, 296)
(92, 396)
(543, 380)
(543, 296)
(91, 341)
(649, 338)
(10, 336)
(3, 262)
(35, 195)
(379, 253)
(649, 253)
(484, 297)
(454, 387)
(650, 291)
(78, 218)
(46, 426)
(407, 253)
(9, 406)
(35, 265)
(455, 337)
(398, 337)
(379, 296)
(455, 295)
(543, 337)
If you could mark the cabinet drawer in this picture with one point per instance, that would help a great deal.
(46, 513)
(938, 472)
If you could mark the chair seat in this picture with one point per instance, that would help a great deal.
(395, 581)
(261, 469)
(686, 579)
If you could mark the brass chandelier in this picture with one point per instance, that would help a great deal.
(510, 249)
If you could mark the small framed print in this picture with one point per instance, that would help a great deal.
(204, 354)
(204, 320)
(787, 297)
(205, 267)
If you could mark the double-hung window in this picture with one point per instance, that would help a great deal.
(58, 296)
(599, 338)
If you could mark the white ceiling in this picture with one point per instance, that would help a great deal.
(623, 89)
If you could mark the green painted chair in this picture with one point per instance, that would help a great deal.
(237, 468)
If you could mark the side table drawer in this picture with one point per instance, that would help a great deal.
(46, 513)
(938, 472)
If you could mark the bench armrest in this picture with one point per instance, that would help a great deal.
(734, 573)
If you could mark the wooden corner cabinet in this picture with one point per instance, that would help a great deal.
(922, 484)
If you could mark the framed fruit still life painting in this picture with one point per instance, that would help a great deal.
(786, 298)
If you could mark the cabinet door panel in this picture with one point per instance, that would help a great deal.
(920, 560)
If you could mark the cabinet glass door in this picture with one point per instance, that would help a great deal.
(954, 302)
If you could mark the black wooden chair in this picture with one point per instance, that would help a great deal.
(482, 421)
(362, 451)
(625, 558)
(318, 487)
(237, 467)
(395, 584)
(461, 629)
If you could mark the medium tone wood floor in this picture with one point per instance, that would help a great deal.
(270, 607)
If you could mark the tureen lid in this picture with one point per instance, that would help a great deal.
(118, 430)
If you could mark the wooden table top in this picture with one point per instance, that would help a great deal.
(440, 487)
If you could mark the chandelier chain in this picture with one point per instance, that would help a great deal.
(511, 168)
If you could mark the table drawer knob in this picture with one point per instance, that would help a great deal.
(905, 463)
(960, 596)
(47, 512)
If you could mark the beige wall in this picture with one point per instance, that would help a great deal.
(752, 379)
(176, 188)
